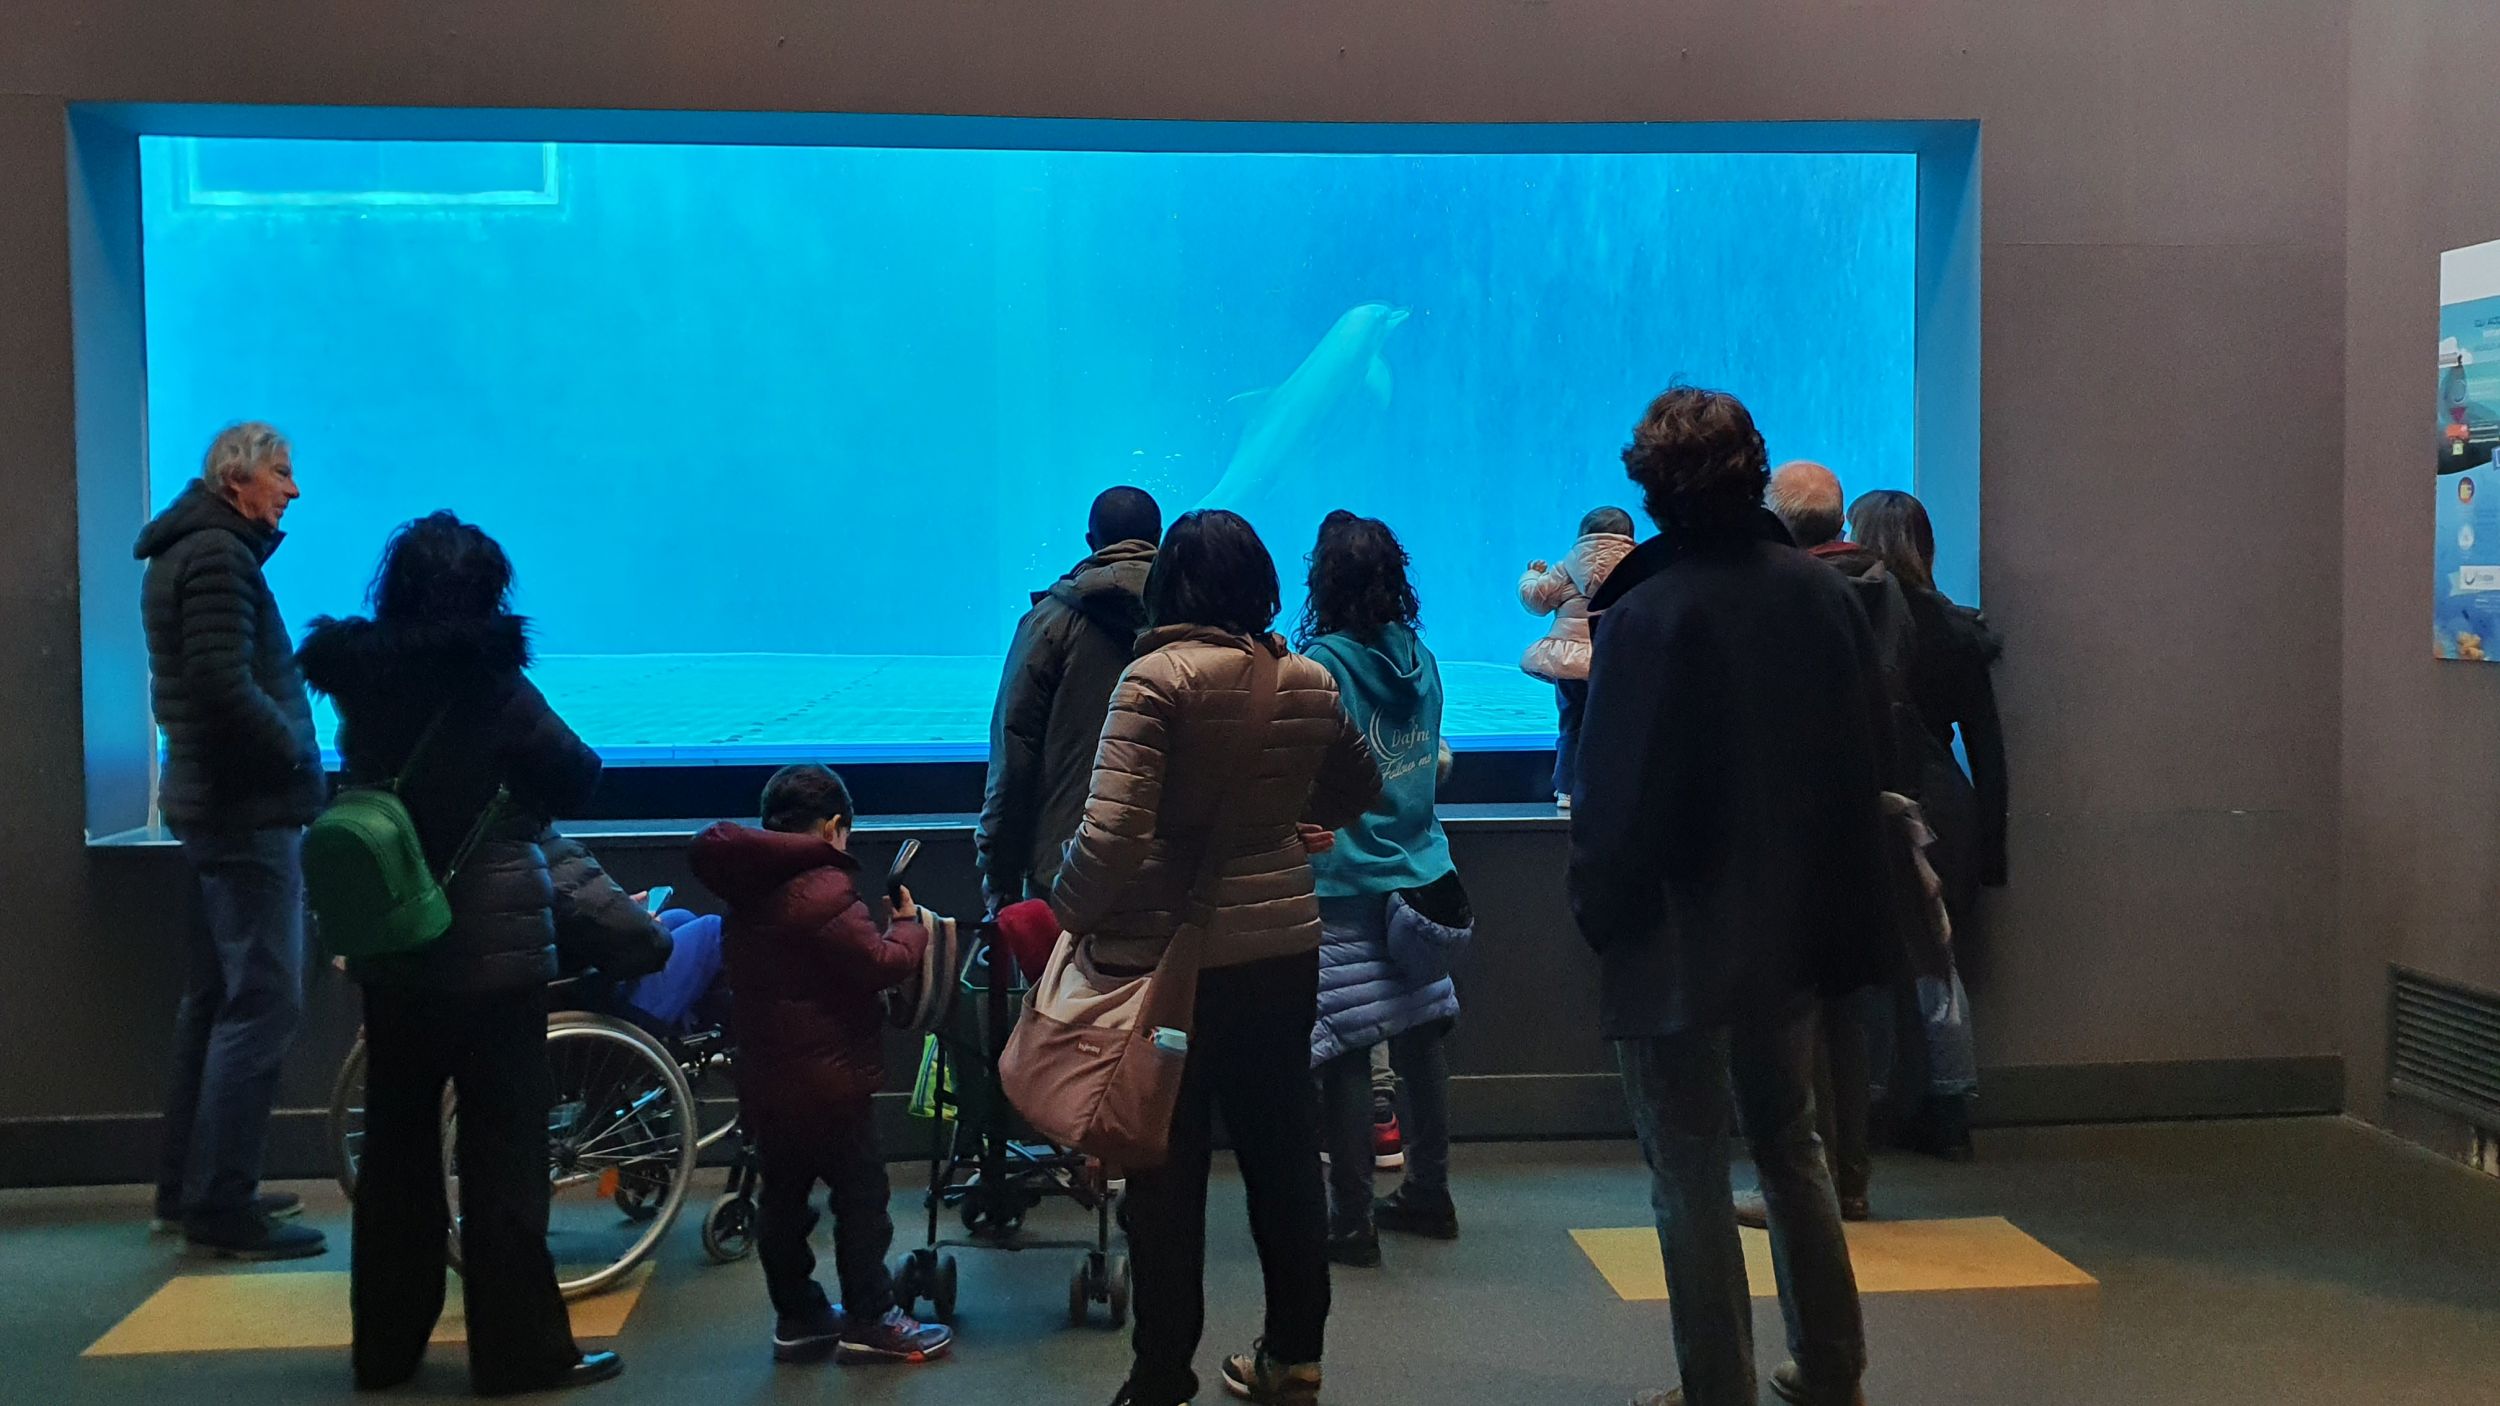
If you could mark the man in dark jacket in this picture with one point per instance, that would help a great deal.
(242, 778)
(809, 965)
(1727, 865)
(1068, 653)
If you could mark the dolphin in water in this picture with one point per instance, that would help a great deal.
(1288, 423)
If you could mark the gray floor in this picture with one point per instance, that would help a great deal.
(2278, 1262)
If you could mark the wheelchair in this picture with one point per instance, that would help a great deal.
(624, 1138)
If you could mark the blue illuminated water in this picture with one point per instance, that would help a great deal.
(851, 404)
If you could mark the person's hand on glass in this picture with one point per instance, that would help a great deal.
(1316, 840)
(1540, 566)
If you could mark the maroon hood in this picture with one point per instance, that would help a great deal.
(743, 864)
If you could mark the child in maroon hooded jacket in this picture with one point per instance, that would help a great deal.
(807, 962)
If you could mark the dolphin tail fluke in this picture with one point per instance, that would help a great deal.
(1378, 381)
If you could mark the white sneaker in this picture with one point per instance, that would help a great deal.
(1562, 800)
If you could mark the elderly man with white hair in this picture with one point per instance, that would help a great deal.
(242, 778)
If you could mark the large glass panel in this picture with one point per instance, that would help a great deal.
(782, 439)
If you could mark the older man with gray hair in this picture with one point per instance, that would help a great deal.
(1806, 497)
(242, 778)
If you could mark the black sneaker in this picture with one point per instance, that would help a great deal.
(1254, 1376)
(1355, 1249)
(897, 1337)
(1408, 1211)
(274, 1205)
(252, 1238)
(811, 1338)
(1789, 1384)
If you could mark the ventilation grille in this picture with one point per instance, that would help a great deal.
(2445, 1045)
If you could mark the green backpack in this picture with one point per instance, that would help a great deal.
(365, 875)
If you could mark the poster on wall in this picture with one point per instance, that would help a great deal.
(2466, 597)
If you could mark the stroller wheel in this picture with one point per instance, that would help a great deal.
(942, 1296)
(1080, 1293)
(1121, 1285)
(729, 1229)
(907, 1289)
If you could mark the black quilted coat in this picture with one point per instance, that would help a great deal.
(239, 749)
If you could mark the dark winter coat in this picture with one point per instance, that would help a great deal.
(1887, 606)
(1950, 680)
(807, 963)
(599, 926)
(1067, 656)
(1730, 857)
(389, 680)
(239, 748)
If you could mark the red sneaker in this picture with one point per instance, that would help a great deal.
(1388, 1148)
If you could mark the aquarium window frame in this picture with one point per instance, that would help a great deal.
(191, 193)
(108, 311)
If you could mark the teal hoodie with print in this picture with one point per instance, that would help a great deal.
(1392, 690)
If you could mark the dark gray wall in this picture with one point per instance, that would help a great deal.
(2421, 839)
(2163, 284)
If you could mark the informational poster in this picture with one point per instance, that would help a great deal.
(2465, 622)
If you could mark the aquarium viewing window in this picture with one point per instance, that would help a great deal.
(783, 435)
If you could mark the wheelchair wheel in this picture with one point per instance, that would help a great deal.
(347, 1117)
(729, 1229)
(621, 1146)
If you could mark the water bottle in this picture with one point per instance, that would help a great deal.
(1170, 1041)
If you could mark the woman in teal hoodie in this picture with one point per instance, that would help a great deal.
(1391, 911)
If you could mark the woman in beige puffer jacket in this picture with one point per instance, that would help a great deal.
(1178, 769)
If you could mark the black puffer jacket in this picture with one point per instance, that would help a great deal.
(390, 680)
(1067, 656)
(239, 748)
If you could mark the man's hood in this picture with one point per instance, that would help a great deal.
(1109, 587)
(199, 510)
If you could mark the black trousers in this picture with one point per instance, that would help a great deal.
(1249, 1059)
(492, 1049)
(841, 1153)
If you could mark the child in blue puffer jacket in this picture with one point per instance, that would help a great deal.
(1392, 914)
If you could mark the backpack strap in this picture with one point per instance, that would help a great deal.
(486, 818)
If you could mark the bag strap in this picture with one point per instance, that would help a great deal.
(1173, 998)
(486, 817)
(425, 743)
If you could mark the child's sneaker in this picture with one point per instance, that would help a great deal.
(1388, 1144)
(1409, 1211)
(897, 1337)
(1255, 1376)
(810, 1338)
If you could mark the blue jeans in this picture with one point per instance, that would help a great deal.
(241, 1004)
(1572, 697)
(1677, 1087)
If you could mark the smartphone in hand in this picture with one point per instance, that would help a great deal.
(900, 870)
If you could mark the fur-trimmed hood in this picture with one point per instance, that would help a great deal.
(357, 655)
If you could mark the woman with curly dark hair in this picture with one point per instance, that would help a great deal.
(1390, 907)
(433, 689)
(1727, 863)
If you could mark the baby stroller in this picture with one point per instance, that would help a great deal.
(982, 1161)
